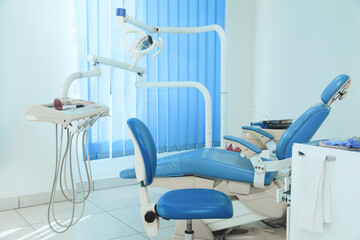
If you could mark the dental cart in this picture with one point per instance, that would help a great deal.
(343, 170)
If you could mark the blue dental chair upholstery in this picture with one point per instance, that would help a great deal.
(206, 162)
(221, 164)
(178, 204)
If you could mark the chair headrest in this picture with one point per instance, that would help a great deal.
(336, 89)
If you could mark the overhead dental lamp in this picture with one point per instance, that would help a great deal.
(141, 46)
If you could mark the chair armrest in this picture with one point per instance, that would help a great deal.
(266, 138)
(261, 167)
(262, 135)
(272, 166)
(247, 148)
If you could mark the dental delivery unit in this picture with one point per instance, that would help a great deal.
(76, 117)
(214, 190)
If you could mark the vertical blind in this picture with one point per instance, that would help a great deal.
(175, 117)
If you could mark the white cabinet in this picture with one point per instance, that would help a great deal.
(344, 195)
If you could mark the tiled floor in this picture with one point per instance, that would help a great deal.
(109, 214)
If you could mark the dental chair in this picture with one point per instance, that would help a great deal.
(250, 181)
(185, 204)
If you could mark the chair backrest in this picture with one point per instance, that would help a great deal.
(145, 151)
(304, 128)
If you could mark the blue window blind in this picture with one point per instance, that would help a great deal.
(175, 117)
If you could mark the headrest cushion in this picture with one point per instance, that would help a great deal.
(335, 89)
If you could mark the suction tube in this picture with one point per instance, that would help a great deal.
(63, 166)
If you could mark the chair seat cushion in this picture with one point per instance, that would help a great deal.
(194, 204)
(210, 163)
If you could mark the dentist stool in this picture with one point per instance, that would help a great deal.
(186, 204)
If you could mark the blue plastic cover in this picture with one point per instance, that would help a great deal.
(333, 87)
(243, 142)
(194, 204)
(350, 143)
(210, 163)
(121, 12)
(302, 130)
(255, 129)
(147, 147)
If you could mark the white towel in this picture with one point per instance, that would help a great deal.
(314, 208)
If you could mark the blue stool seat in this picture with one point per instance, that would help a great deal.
(211, 163)
(194, 204)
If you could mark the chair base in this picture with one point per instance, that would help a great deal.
(189, 236)
(189, 233)
(201, 232)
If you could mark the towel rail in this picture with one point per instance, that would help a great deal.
(328, 158)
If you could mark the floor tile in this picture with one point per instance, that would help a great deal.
(122, 197)
(159, 190)
(19, 233)
(163, 234)
(38, 214)
(11, 219)
(113, 182)
(92, 227)
(132, 217)
(132, 237)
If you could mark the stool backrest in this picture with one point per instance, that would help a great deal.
(145, 151)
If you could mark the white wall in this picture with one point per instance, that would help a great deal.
(300, 46)
(240, 29)
(36, 56)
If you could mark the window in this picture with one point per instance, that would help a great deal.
(175, 117)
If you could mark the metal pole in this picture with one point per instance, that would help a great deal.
(201, 88)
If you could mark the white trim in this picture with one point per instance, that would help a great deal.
(9, 203)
